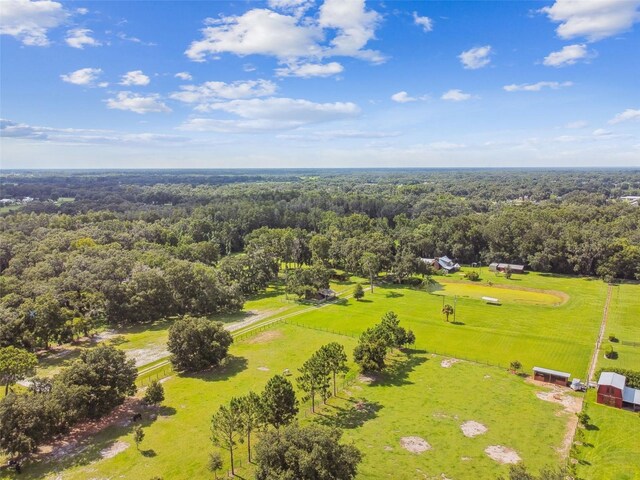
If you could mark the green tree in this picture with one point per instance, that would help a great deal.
(358, 292)
(313, 378)
(335, 358)
(447, 310)
(154, 394)
(16, 364)
(138, 435)
(251, 418)
(226, 427)
(370, 352)
(515, 366)
(312, 452)
(279, 403)
(197, 343)
(370, 263)
(215, 463)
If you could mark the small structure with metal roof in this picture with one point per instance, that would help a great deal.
(327, 293)
(551, 376)
(503, 267)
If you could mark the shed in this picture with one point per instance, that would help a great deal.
(551, 376)
(631, 398)
(503, 267)
(327, 293)
(611, 388)
(491, 300)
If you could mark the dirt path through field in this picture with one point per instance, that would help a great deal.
(603, 325)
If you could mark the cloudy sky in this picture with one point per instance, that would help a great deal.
(325, 83)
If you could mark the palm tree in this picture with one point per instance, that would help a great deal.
(447, 310)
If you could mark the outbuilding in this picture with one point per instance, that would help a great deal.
(613, 391)
(504, 267)
(551, 376)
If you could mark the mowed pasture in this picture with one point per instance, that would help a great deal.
(416, 397)
(560, 334)
(624, 323)
(610, 449)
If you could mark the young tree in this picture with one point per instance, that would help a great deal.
(583, 418)
(197, 343)
(215, 463)
(226, 426)
(154, 394)
(447, 310)
(250, 409)
(335, 358)
(515, 366)
(138, 436)
(370, 352)
(16, 364)
(358, 292)
(279, 403)
(507, 273)
(370, 263)
(306, 453)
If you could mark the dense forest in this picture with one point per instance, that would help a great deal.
(91, 247)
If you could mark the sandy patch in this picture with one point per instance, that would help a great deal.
(388, 448)
(104, 335)
(366, 379)
(263, 369)
(253, 316)
(114, 449)
(557, 395)
(473, 429)
(266, 337)
(448, 362)
(502, 454)
(487, 376)
(465, 459)
(415, 444)
(144, 356)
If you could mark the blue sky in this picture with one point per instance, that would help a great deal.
(335, 83)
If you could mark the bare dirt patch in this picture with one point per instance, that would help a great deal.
(366, 379)
(571, 404)
(114, 449)
(263, 369)
(502, 454)
(415, 444)
(144, 356)
(473, 429)
(253, 316)
(448, 362)
(266, 337)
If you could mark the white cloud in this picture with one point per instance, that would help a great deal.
(296, 7)
(84, 76)
(29, 21)
(307, 70)
(475, 58)
(212, 92)
(536, 87)
(569, 55)
(425, 22)
(601, 132)
(10, 129)
(402, 97)
(628, 114)
(184, 76)
(81, 37)
(456, 95)
(258, 31)
(445, 145)
(135, 77)
(355, 26)
(593, 20)
(341, 28)
(137, 103)
(271, 114)
(127, 38)
(576, 124)
(82, 11)
(338, 134)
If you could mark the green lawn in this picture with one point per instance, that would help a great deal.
(611, 449)
(624, 323)
(417, 397)
(558, 337)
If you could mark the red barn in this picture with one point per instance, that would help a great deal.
(611, 389)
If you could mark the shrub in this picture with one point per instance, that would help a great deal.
(473, 276)
(154, 394)
(612, 338)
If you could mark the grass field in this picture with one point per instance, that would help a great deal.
(611, 449)
(560, 337)
(624, 323)
(416, 397)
